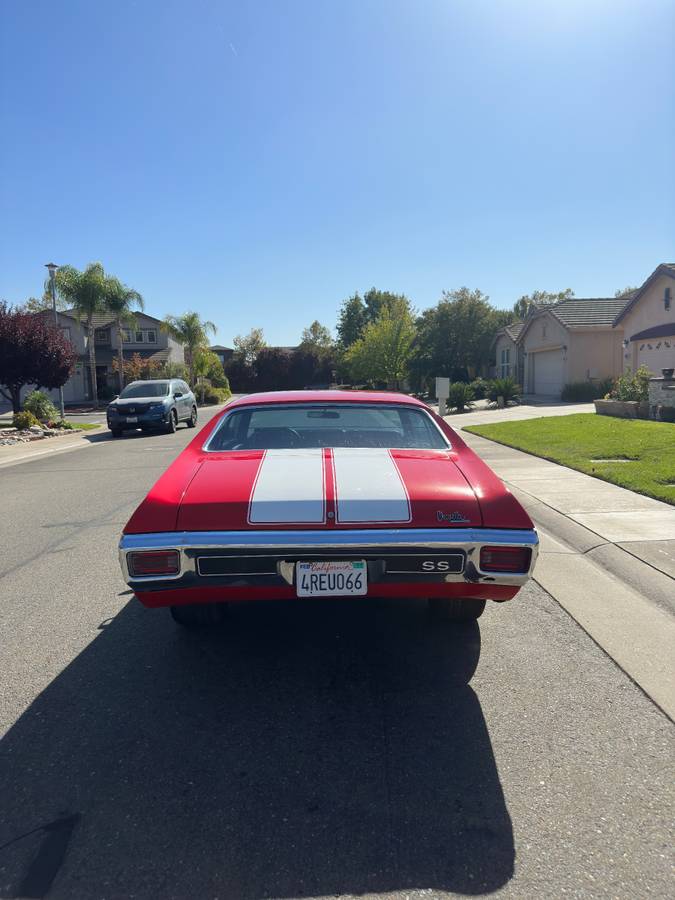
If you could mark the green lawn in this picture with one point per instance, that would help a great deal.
(580, 441)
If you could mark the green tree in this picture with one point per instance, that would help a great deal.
(626, 292)
(248, 346)
(86, 292)
(207, 369)
(192, 333)
(356, 313)
(383, 351)
(351, 320)
(317, 338)
(44, 303)
(119, 300)
(454, 337)
(525, 304)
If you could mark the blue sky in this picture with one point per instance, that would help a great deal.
(260, 161)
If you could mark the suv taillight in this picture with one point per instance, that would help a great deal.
(153, 562)
(505, 559)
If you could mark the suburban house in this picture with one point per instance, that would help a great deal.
(146, 338)
(223, 353)
(648, 322)
(506, 352)
(591, 339)
(574, 340)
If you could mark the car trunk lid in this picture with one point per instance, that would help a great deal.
(320, 488)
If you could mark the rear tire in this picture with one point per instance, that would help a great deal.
(199, 615)
(173, 422)
(456, 609)
(116, 432)
(192, 421)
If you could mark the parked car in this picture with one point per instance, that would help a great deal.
(149, 405)
(323, 494)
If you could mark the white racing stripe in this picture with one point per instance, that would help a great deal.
(369, 487)
(289, 489)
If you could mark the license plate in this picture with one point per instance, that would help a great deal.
(132, 418)
(331, 579)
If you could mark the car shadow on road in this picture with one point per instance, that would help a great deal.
(305, 749)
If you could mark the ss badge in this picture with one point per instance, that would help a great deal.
(435, 565)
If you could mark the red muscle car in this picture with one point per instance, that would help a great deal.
(327, 494)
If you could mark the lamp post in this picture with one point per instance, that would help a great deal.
(51, 268)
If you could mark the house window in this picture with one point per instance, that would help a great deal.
(65, 331)
(666, 298)
(102, 336)
(505, 363)
(543, 330)
(140, 336)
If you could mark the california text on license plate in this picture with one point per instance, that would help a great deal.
(331, 579)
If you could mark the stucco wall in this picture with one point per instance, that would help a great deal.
(648, 312)
(594, 354)
(504, 342)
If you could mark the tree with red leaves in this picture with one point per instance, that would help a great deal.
(32, 351)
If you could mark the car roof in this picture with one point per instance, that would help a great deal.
(152, 381)
(270, 397)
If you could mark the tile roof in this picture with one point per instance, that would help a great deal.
(100, 320)
(514, 330)
(587, 311)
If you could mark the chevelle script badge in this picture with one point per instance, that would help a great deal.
(455, 517)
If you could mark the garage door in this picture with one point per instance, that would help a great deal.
(548, 372)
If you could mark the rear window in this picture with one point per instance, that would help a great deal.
(331, 425)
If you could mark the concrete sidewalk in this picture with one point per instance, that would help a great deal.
(607, 556)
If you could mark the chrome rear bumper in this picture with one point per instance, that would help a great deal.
(275, 553)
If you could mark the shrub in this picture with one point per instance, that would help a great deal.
(631, 386)
(503, 387)
(213, 394)
(40, 406)
(460, 396)
(585, 391)
(480, 388)
(24, 420)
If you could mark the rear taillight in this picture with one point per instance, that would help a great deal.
(505, 559)
(153, 562)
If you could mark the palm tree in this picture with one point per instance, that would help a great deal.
(119, 300)
(86, 293)
(190, 331)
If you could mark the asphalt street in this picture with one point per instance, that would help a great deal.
(307, 749)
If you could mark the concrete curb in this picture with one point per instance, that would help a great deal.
(654, 585)
(21, 453)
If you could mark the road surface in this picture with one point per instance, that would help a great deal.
(310, 749)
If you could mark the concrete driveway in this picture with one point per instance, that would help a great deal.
(483, 414)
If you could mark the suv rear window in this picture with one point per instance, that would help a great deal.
(327, 425)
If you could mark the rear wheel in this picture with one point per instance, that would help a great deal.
(116, 432)
(192, 421)
(456, 609)
(199, 615)
(173, 422)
